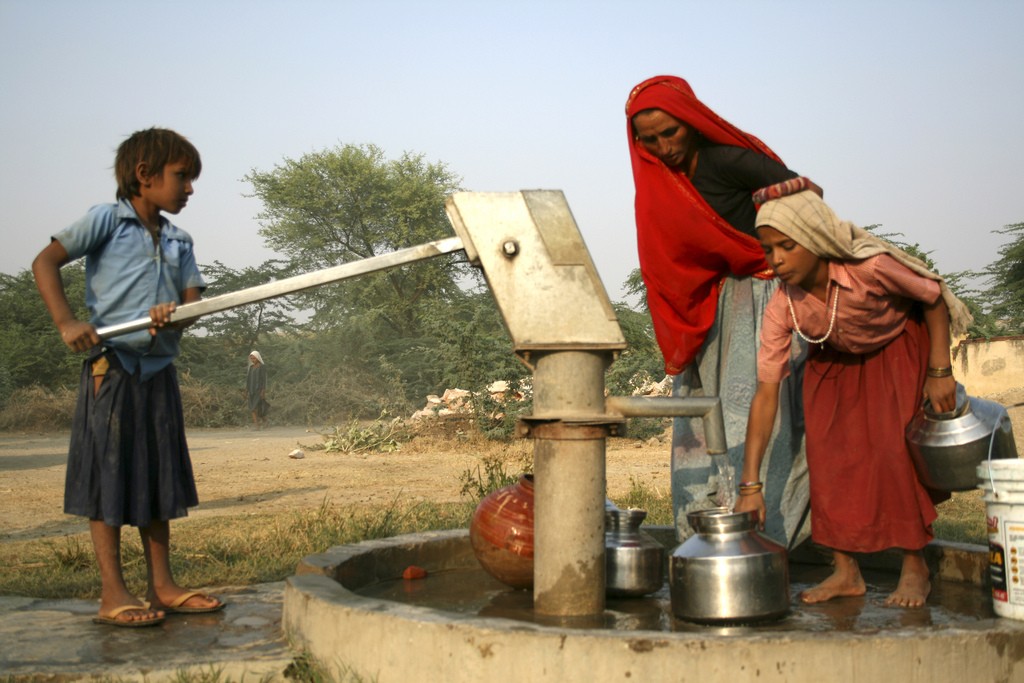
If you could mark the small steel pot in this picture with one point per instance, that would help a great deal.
(633, 560)
(728, 572)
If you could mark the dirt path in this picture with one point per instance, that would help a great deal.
(244, 472)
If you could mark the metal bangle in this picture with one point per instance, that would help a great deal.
(940, 372)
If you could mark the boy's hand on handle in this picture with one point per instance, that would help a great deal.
(753, 501)
(161, 316)
(940, 392)
(78, 335)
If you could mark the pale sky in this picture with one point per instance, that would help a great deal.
(908, 113)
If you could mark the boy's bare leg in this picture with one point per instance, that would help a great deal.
(914, 585)
(106, 542)
(845, 581)
(156, 545)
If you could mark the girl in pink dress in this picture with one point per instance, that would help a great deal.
(877, 322)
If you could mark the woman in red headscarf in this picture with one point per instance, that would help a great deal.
(707, 283)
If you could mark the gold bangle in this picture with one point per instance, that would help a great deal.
(749, 493)
(940, 372)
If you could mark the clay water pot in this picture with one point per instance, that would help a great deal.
(501, 533)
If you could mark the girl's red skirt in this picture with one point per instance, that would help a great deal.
(865, 493)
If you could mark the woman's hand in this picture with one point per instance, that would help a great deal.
(753, 501)
(940, 392)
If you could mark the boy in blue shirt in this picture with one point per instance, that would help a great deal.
(128, 461)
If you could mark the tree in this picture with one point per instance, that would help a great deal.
(31, 350)
(348, 204)
(1004, 295)
(216, 347)
(245, 325)
(634, 286)
(641, 362)
(958, 282)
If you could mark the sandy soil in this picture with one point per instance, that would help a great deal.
(244, 472)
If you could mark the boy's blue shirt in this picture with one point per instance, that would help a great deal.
(126, 274)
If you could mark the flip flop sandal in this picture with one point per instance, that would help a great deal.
(176, 606)
(112, 620)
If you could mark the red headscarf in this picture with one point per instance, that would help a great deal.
(685, 248)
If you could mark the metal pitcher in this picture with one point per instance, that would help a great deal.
(728, 572)
(948, 447)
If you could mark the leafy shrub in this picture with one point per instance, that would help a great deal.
(333, 396)
(210, 405)
(497, 415)
(644, 428)
(37, 409)
(381, 435)
(476, 485)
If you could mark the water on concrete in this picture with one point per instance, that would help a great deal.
(346, 607)
(473, 592)
(56, 640)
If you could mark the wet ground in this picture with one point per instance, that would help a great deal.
(55, 640)
(473, 592)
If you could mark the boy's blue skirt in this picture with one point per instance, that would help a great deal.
(128, 461)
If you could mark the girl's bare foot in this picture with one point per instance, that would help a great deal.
(845, 581)
(914, 585)
(834, 586)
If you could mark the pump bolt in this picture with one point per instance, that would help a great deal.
(511, 248)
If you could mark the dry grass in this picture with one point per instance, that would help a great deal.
(35, 409)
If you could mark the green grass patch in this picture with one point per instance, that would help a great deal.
(962, 519)
(658, 504)
(219, 551)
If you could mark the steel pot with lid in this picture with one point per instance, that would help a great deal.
(728, 572)
(948, 447)
(633, 560)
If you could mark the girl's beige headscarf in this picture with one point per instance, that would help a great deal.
(806, 218)
(257, 356)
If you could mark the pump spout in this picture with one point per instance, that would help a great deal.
(707, 407)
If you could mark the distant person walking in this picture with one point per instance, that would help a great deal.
(256, 390)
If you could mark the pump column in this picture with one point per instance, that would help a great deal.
(569, 483)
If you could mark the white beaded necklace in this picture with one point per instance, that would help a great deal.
(831, 324)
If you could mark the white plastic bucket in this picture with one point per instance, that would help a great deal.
(1002, 482)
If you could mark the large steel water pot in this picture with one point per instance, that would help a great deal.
(728, 572)
(948, 447)
(633, 560)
